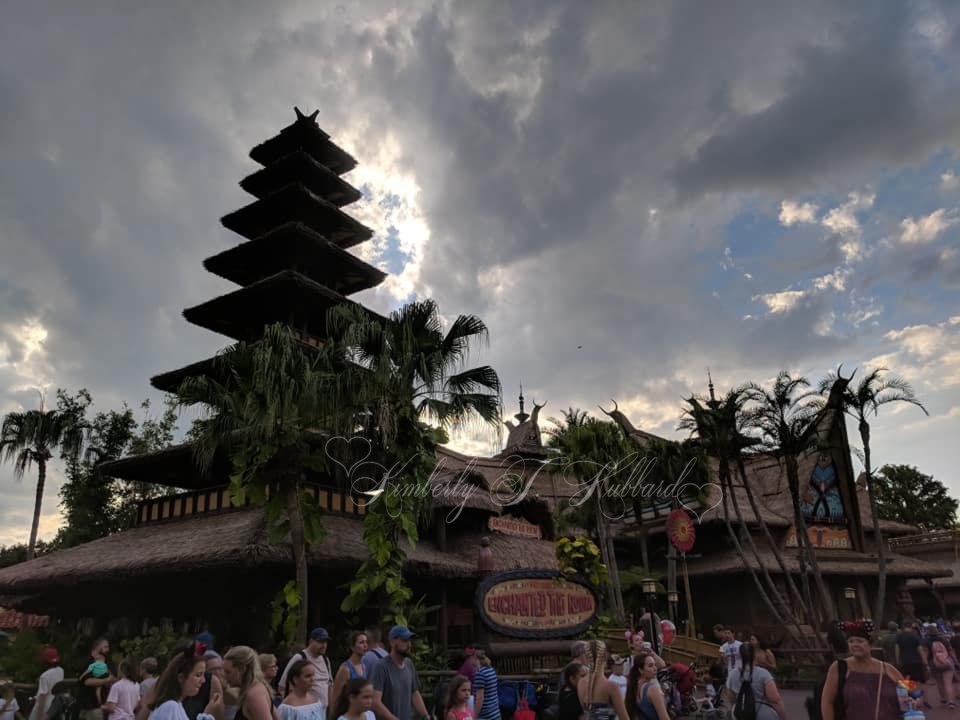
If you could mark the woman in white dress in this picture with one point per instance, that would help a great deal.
(183, 677)
(301, 703)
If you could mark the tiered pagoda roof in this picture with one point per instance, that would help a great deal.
(292, 266)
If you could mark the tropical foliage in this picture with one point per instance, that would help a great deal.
(408, 384)
(265, 402)
(876, 388)
(31, 438)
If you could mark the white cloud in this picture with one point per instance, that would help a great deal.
(780, 302)
(792, 213)
(837, 280)
(926, 229)
(843, 221)
(949, 181)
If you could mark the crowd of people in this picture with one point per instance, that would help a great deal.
(378, 681)
(199, 683)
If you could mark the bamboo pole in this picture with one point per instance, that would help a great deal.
(691, 622)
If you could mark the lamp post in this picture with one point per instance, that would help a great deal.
(673, 599)
(649, 587)
(851, 595)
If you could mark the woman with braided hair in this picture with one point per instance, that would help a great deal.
(599, 697)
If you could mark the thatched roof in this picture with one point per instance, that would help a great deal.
(299, 166)
(242, 314)
(940, 583)
(832, 563)
(305, 134)
(235, 539)
(295, 203)
(452, 489)
(294, 245)
(174, 466)
(170, 381)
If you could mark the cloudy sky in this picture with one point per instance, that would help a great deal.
(747, 186)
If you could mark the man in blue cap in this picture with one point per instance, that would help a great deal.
(396, 687)
(316, 654)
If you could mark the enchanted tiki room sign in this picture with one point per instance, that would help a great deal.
(514, 526)
(532, 604)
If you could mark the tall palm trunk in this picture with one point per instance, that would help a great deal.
(37, 505)
(609, 558)
(864, 428)
(291, 492)
(803, 540)
(774, 546)
(777, 596)
(726, 488)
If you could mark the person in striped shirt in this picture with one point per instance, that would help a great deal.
(486, 689)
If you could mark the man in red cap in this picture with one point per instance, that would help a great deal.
(51, 675)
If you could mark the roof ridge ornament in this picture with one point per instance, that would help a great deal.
(306, 118)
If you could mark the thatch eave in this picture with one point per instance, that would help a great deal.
(295, 203)
(300, 166)
(295, 245)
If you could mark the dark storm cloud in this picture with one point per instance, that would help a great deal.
(545, 138)
(869, 96)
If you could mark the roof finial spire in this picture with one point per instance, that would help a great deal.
(710, 385)
(522, 415)
(300, 116)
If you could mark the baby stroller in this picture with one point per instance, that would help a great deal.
(678, 681)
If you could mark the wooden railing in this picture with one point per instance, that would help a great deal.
(306, 339)
(217, 499)
(935, 536)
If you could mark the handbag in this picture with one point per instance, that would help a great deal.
(523, 711)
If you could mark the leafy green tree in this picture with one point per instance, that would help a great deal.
(265, 403)
(13, 554)
(407, 383)
(94, 504)
(874, 390)
(598, 456)
(909, 496)
(30, 437)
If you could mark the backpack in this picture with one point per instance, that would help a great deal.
(839, 709)
(745, 708)
(941, 658)
(63, 707)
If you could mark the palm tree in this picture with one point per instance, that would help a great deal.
(787, 422)
(266, 401)
(406, 368)
(595, 451)
(31, 437)
(873, 390)
(405, 374)
(718, 428)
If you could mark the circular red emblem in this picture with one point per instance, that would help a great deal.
(681, 531)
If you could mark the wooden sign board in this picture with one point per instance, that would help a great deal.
(829, 538)
(532, 604)
(514, 526)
